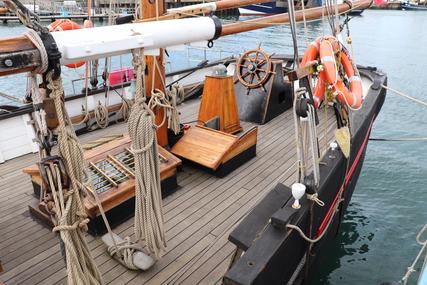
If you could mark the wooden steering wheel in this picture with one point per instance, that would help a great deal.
(253, 68)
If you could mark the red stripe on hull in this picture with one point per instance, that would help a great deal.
(348, 176)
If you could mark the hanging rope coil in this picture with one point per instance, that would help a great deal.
(148, 225)
(124, 110)
(158, 99)
(179, 91)
(101, 115)
(70, 213)
(173, 116)
(169, 103)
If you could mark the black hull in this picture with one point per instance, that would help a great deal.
(273, 253)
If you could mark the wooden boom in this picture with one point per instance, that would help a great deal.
(18, 54)
(310, 14)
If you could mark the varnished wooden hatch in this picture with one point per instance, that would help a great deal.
(111, 167)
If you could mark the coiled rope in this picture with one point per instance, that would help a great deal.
(179, 91)
(149, 219)
(167, 101)
(34, 37)
(124, 110)
(101, 115)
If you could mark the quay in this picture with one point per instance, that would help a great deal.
(125, 5)
(52, 18)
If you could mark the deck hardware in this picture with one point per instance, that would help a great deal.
(298, 190)
(51, 161)
(8, 62)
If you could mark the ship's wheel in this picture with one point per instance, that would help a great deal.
(253, 68)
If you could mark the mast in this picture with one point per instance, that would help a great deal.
(155, 67)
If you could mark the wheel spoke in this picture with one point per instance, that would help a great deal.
(256, 54)
(261, 62)
(252, 78)
(246, 74)
(258, 78)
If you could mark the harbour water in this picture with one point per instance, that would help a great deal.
(377, 238)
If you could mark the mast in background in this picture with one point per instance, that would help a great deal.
(153, 9)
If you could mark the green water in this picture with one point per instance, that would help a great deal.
(376, 242)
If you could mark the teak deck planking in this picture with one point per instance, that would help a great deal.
(198, 217)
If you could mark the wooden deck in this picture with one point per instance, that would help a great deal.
(198, 216)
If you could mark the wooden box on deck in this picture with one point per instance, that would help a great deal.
(219, 100)
(118, 196)
(214, 149)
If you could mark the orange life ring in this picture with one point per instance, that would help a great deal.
(328, 48)
(65, 25)
(311, 54)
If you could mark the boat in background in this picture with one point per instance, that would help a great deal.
(413, 6)
(262, 9)
(275, 7)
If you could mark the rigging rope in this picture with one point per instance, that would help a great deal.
(70, 213)
(85, 108)
(302, 234)
(10, 97)
(168, 101)
(411, 269)
(149, 219)
(405, 95)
